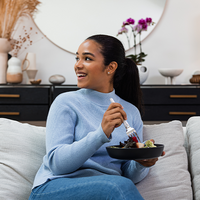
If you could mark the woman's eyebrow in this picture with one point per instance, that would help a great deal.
(86, 53)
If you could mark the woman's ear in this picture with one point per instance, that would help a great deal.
(112, 67)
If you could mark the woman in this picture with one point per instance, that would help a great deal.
(82, 123)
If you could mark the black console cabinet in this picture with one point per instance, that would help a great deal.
(24, 103)
(161, 103)
(171, 103)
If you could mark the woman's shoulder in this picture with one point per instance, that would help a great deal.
(67, 97)
(69, 93)
(130, 109)
(127, 105)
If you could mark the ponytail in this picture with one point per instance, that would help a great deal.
(128, 85)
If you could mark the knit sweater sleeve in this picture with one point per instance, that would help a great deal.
(64, 154)
(135, 171)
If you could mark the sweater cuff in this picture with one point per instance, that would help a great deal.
(140, 167)
(103, 136)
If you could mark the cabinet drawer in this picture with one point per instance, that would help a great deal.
(58, 90)
(24, 95)
(170, 112)
(24, 112)
(171, 96)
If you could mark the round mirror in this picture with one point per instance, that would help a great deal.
(68, 23)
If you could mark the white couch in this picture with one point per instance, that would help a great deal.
(22, 147)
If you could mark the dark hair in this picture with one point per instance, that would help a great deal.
(126, 79)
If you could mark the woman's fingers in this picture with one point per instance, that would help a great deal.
(163, 153)
(148, 162)
(115, 111)
(113, 117)
(117, 108)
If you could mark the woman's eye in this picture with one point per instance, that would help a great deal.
(76, 58)
(87, 58)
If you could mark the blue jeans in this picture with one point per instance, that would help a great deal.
(103, 187)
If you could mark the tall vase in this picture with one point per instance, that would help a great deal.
(143, 73)
(5, 47)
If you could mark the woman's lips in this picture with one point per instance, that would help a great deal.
(81, 75)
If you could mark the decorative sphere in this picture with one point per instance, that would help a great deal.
(57, 79)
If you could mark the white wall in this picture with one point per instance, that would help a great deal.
(175, 43)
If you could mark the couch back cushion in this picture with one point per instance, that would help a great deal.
(193, 138)
(169, 178)
(22, 147)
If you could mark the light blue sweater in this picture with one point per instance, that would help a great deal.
(76, 143)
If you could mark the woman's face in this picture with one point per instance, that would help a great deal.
(90, 69)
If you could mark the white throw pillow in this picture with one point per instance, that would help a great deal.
(22, 147)
(169, 178)
(193, 137)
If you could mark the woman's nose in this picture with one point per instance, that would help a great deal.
(79, 64)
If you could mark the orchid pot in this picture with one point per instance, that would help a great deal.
(143, 73)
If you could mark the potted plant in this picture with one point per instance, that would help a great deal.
(136, 30)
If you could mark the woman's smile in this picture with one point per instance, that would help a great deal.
(81, 75)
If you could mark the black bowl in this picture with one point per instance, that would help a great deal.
(135, 153)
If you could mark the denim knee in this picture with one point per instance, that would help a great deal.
(121, 188)
(103, 187)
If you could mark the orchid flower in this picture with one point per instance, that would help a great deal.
(122, 30)
(128, 22)
(136, 30)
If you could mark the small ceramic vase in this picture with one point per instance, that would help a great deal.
(31, 74)
(15, 70)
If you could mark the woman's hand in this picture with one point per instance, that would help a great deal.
(149, 162)
(113, 118)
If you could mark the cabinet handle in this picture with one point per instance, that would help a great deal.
(9, 113)
(182, 113)
(10, 95)
(183, 96)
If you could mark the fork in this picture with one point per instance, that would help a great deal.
(131, 132)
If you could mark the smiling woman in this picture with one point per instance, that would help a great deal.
(80, 125)
(67, 23)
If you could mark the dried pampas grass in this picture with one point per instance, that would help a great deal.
(11, 11)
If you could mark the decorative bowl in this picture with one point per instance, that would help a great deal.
(170, 74)
(135, 153)
(36, 82)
